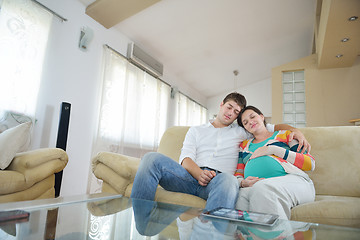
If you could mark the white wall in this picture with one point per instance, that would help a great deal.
(257, 94)
(74, 76)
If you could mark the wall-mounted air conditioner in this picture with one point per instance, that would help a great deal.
(140, 58)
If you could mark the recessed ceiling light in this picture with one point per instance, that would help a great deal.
(353, 18)
(339, 55)
(345, 39)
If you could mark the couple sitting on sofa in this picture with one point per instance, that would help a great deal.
(210, 156)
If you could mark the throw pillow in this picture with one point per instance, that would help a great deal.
(12, 141)
(10, 119)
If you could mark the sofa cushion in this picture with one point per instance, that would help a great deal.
(172, 142)
(333, 210)
(12, 141)
(337, 160)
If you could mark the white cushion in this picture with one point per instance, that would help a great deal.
(12, 141)
(10, 119)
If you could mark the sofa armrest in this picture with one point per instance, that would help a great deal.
(117, 170)
(38, 164)
(34, 158)
(123, 165)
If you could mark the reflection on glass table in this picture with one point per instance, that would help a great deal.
(117, 217)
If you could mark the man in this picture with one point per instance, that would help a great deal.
(207, 162)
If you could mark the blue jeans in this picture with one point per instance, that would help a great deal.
(152, 217)
(155, 168)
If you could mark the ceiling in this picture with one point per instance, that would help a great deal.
(202, 42)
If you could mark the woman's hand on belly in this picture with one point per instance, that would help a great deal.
(261, 151)
(250, 181)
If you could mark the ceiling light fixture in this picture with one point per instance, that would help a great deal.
(353, 18)
(339, 55)
(345, 39)
(236, 72)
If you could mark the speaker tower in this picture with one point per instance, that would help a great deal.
(62, 139)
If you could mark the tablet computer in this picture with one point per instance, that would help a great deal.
(242, 216)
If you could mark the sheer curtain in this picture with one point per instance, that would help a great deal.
(188, 112)
(133, 111)
(133, 114)
(24, 30)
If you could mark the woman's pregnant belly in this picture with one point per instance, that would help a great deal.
(264, 167)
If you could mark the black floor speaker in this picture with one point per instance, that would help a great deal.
(62, 139)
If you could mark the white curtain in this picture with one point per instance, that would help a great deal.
(24, 30)
(133, 114)
(188, 112)
(134, 111)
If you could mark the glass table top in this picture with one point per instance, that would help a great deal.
(103, 216)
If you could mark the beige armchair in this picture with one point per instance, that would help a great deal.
(31, 175)
(336, 176)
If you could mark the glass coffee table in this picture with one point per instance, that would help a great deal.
(102, 216)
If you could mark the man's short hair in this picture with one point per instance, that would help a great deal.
(236, 97)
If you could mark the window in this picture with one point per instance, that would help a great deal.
(134, 111)
(188, 112)
(24, 30)
(294, 112)
(133, 114)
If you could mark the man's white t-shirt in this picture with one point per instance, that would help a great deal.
(216, 148)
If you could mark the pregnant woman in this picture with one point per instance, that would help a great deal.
(271, 169)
